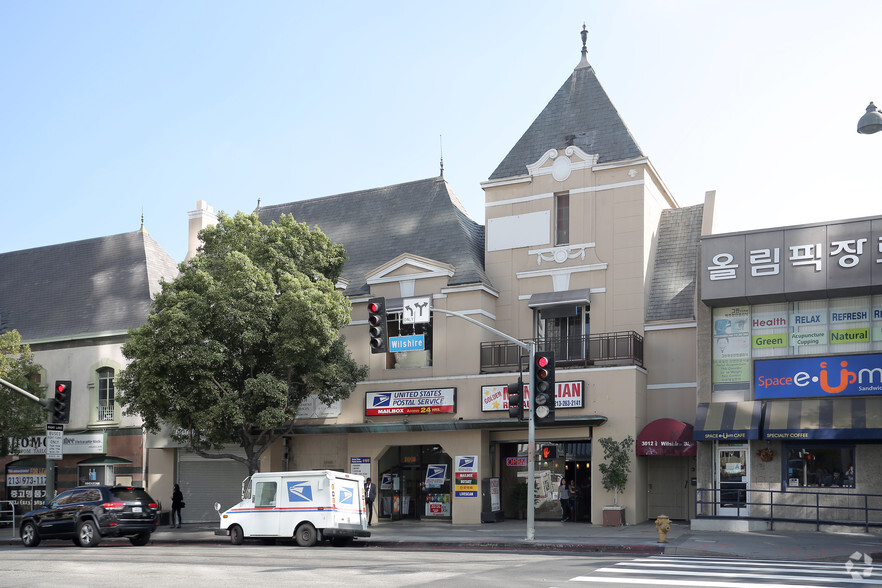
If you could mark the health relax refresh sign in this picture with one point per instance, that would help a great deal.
(831, 376)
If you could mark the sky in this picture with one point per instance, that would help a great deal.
(111, 110)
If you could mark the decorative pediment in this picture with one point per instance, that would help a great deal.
(560, 163)
(408, 267)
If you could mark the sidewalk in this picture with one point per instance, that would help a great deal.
(554, 536)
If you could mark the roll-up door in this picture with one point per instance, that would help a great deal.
(206, 481)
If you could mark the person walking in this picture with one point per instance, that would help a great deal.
(563, 494)
(177, 505)
(370, 494)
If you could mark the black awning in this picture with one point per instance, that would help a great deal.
(823, 418)
(728, 421)
(545, 299)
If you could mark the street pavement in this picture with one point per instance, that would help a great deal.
(553, 536)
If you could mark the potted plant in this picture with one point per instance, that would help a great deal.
(614, 476)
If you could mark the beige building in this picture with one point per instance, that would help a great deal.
(586, 253)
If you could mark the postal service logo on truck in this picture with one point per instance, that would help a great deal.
(347, 496)
(299, 491)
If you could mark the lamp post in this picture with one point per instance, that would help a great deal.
(871, 122)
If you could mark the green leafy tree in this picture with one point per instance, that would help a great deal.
(248, 330)
(617, 455)
(19, 416)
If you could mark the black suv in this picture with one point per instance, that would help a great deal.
(88, 513)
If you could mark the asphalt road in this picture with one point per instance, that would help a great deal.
(115, 563)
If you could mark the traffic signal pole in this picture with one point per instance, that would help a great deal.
(531, 425)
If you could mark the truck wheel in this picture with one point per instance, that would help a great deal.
(29, 535)
(139, 540)
(237, 536)
(88, 534)
(305, 535)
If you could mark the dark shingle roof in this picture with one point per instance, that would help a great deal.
(580, 114)
(672, 295)
(92, 286)
(421, 218)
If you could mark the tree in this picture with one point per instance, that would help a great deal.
(19, 416)
(247, 331)
(614, 473)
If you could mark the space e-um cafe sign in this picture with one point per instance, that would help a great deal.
(426, 401)
(566, 395)
(829, 376)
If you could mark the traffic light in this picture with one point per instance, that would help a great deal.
(377, 324)
(549, 452)
(543, 390)
(61, 409)
(516, 400)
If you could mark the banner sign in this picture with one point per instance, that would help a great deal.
(567, 395)
(841, 375)
(438, 400)
(465, 473)
(36, 445)
(26, 476)
(360, 466)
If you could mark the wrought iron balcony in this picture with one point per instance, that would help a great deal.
(105, 410)
(596, 350)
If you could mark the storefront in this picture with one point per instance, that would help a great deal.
(793, 400)
(415, 483)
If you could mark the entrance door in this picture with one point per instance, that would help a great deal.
(668, 486)
(732, 477)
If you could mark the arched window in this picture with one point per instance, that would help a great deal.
(105, 394)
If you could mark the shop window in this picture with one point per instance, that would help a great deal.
(820, 466)
(409, 359)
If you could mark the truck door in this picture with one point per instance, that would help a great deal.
(265, 518)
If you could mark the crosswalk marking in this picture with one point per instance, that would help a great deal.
(731, 573)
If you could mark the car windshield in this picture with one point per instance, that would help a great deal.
(130, 494)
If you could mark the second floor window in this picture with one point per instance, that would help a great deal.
(105, 394)
(562, 218)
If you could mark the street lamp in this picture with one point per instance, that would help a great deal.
(871, 122)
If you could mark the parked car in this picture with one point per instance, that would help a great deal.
(86, 514)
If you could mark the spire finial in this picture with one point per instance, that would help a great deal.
(143, 229)
(258, 203)
(584, 60)
(441, 145)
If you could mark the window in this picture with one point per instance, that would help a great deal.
(408, 359)
(820, 466)
(564, 330)
(562, 218)
(265, 494)
(105, 394)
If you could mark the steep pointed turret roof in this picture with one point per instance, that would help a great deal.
(580, 114)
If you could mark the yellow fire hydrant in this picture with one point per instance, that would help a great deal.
(663, 524)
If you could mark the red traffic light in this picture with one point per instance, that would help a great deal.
(373, 307)
(542, 361)
(60, 388)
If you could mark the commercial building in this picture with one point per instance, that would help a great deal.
(790, 414)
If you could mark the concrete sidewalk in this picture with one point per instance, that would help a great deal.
(553, 536)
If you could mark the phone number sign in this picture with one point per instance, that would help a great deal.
(26, 476)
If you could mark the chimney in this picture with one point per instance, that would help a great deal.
(200, 218)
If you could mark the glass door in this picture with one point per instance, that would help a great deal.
(732, 477)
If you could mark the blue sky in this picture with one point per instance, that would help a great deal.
(109, 108)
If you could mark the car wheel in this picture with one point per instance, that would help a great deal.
(29, 535)
(305, 535)
(140, 540)
(237, 536)
(88, 534)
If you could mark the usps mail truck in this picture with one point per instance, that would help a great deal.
(308, 506)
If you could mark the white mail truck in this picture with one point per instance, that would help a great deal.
(307, 506)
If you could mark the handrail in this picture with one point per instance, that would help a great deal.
(594, 350)
(829, 507)
(8, 511)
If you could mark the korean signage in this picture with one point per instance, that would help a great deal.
(731, 327)
(465, 473)
(837, 375)
(432, 401)
(567, 395)
(771, 265)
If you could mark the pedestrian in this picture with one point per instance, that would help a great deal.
(563, 494)
(370, 494)
(177, 505)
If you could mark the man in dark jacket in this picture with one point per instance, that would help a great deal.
(370, 494)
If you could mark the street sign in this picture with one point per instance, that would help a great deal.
(417, 310)
(54, 441)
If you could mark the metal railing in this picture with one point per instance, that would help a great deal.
(105, 410)
(7, 515)
(596, 350)
(813, 507)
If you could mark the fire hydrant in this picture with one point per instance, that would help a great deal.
(663, 524)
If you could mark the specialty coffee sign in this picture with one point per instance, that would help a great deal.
(432, 401)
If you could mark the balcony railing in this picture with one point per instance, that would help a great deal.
(596, 350)
(105, 410)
